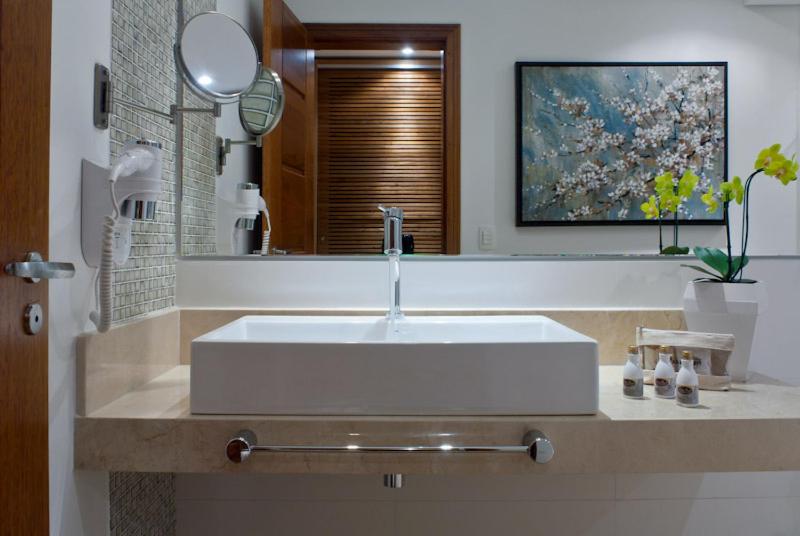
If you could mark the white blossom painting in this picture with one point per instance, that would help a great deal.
(591, 138)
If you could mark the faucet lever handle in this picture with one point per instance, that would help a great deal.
(391, 212)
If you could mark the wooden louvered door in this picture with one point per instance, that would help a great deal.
(380, 141)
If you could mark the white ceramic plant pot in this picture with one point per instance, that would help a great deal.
(727, 308)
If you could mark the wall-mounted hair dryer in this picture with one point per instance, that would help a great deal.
(239, 214)
(111, 199)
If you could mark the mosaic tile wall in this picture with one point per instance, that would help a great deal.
(198, 210)
(142, 504)
(143, 70)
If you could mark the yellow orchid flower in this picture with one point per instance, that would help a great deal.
(732, 191)
(784, 170)
(769, 155)
(738, 190)
(665, 184)
(710, 200)
(650, 208)
(670, 202)
(687, 184)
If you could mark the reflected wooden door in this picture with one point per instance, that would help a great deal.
(288, 174)
(24, 156)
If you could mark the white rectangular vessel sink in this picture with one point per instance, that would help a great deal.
(359, 365)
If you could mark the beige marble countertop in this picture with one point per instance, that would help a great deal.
(753, 427)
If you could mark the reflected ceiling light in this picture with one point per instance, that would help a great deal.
(205, 80)
(407, 51)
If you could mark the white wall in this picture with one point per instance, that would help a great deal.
(762, 45)
(81, 36)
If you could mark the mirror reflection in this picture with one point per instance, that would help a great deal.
(216, 57)
(343, 118)
(261, 106)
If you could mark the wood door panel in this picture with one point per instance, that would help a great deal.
(294, 51)
(288, 168)
(24, 153)
(294, 139)
(293, 200)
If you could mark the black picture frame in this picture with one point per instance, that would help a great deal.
(518, 71)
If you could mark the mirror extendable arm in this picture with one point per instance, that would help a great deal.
(104, 102)
(224, 149)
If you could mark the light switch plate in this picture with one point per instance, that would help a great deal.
(486, 238)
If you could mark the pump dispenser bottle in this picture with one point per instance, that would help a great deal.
(632, 375)
(664, 375)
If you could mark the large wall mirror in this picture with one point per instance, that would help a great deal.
(322, 121)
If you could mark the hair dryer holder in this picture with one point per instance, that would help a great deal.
(136, 196)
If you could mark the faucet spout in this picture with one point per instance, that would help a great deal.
(393, 247)
(395, 312)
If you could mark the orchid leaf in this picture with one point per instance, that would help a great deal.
(702, 270)
(714, 258)
(674, 250)
(739, 263)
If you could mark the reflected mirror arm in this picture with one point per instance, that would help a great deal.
(215, 110)
(224, 149)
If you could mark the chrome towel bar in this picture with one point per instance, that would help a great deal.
(535, 444)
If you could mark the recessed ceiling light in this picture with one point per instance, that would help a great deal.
(205, 80)
(407, 51)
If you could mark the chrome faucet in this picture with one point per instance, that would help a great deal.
(393, 247)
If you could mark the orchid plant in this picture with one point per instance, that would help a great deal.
(726, 267)
(670, 195)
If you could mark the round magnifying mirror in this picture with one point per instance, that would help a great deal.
(261, 106)
(216, 57)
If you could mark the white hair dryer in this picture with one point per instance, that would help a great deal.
(111, 199)
(239, 214)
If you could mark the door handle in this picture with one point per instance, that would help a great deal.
(35, 268)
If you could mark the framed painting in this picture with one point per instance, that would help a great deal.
(592, 137)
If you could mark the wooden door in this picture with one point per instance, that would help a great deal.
(24, 156)
(380, 141)
(288, 169)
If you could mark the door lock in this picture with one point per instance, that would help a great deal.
(33, 318)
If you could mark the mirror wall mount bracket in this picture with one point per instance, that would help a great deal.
(224, 149)
(104, 103)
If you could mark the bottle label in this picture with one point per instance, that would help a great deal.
(688, 395)
(633, 388)
(665, 387)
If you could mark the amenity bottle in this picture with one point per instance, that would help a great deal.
(664, 375)
(632, 375)
(688, 385)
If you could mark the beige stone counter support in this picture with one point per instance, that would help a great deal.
(755, 427)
